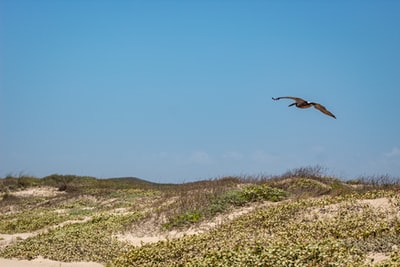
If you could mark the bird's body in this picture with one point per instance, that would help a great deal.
(301, 103)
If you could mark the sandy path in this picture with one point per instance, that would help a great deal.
(40, 262)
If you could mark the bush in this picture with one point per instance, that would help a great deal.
(10, 183)
(263, 192)
(28, 181)
(188, 218)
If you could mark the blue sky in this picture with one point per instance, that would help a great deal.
(175, 91)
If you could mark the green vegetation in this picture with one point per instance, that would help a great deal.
(29, 220)
(225, 201)
(88, 241)
(286, 234)
(302, 218)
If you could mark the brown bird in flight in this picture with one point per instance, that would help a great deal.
(301, 103)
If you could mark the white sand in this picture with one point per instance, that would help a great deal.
(40, 262)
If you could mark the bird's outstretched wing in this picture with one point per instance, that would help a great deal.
(323, 109)
(297, 99)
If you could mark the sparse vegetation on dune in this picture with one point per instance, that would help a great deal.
(301, 218)
(293, 233)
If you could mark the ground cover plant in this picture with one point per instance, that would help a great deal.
(301, 218)
(292, 233)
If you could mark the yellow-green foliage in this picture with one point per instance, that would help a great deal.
(262, 192)
(225, 200)
(286, 234)
(185, 219)
(89, 241)
(29, 221)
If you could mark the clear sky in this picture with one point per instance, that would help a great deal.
(176, 91)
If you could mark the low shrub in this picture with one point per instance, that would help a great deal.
(262, 192)
(186, 219)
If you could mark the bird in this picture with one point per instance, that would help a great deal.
(301, 103)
